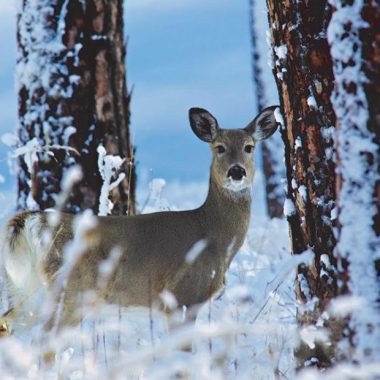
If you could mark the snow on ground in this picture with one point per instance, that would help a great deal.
(248, 332)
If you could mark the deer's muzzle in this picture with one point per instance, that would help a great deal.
(236, 173)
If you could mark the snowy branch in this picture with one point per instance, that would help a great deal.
(108, 167)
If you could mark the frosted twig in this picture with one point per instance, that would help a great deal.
(75, 248)
(72, 176)
(108, 166)
(34, 146)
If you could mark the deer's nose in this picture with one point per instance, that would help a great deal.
(236, 173)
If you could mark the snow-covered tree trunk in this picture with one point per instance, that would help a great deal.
(266, 95)
(303, 70)
(72, 98)
(354, 36)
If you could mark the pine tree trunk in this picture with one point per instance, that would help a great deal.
(303, 69)
(266, 95)
(354, 36)
(72, 94)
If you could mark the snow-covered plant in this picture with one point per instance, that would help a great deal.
(249, 329)
(109, 166)
(155, 201)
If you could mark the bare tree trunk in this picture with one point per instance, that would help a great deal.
(354, 36)
(305, 78)
(303, 70)
(72, 94)
(266, 95)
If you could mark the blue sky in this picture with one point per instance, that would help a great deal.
(194, 53)
(180, 54)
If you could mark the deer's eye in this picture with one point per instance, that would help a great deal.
(220, 149)
(248, 148)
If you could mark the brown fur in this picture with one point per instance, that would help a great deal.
(154, 246)
(16, 225)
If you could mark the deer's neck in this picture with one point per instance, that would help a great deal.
(227, 213)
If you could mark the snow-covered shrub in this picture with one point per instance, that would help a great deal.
(249, 331)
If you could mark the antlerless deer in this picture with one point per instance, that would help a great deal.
(154, 248)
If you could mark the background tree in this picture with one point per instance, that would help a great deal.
(354, 36)
(266, 94)
(72, 97)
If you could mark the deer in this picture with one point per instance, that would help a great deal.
(153, 249)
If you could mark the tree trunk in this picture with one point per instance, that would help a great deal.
(303, 71)
(266, 95)
(72, 97)
(354, 36)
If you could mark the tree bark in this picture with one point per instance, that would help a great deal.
(303, 70)
(266, 95)
(72, 93)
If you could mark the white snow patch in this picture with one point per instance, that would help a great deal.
(9, 139)
(29, 151)
(298, 143)
(344, 306)
(318, 86)
(109, 166)
(334, 214)
(281, 51)
(195, 251)
(289, 208)
(328, 132)
(311, 102)
(312, 334)
(169, 300)
(326, 261)
(67, 133)
(279, 118)
(303, 192)
(342, 371)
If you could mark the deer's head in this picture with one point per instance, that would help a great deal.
(233, 150)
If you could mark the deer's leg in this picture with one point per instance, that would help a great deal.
(181, 322)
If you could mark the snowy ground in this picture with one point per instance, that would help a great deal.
(248, 332)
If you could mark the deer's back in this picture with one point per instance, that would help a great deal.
(154, 249)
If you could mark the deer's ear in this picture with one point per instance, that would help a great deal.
(264, 124)
(203, 124)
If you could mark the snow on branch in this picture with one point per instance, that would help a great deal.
(29, 152)
(108, 166)
(33, 146)
(358, 161)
